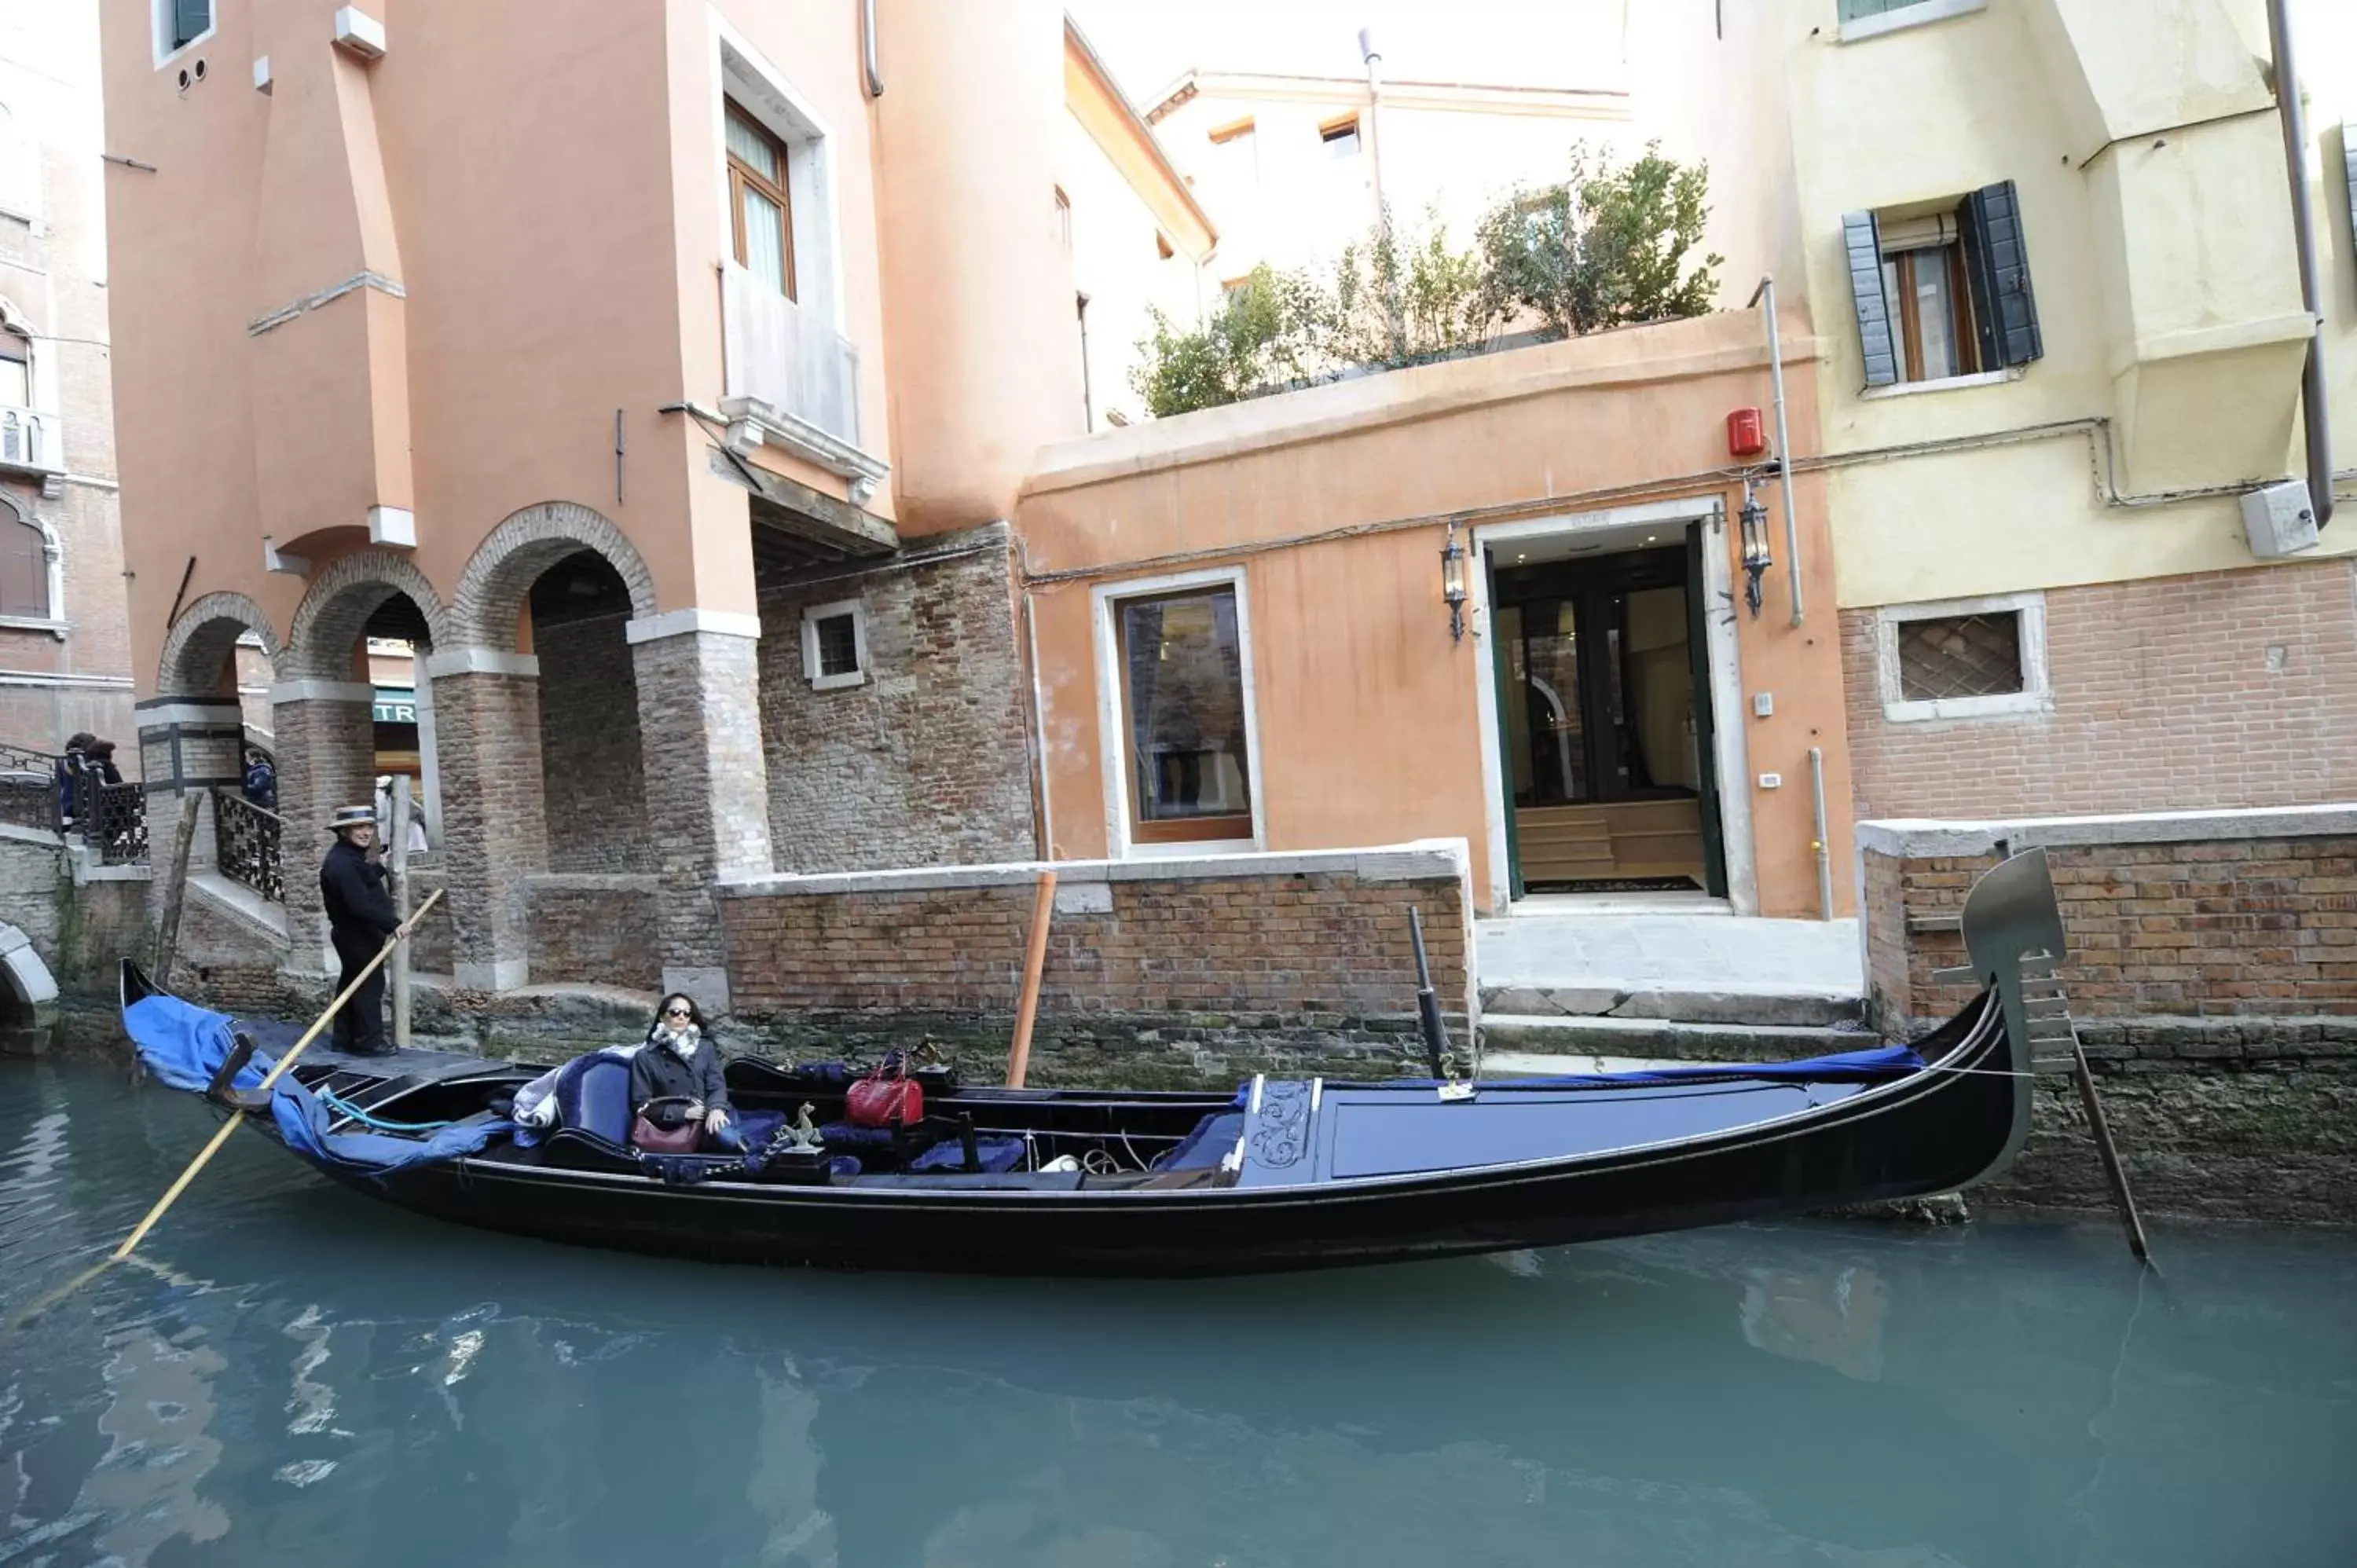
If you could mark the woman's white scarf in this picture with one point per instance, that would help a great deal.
(682, 1041)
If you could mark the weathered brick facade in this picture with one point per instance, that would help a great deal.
(327, 758)
(2213, 979)
(926, 763)
(595, 931)
(594, 784)
(707, 801)
(494, 829)
(2222, 689)
(1169, 970)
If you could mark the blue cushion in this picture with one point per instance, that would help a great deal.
(593, 1094)
(1207, 1146)
(996, 1154)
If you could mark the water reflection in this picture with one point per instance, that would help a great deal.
(316, 1378)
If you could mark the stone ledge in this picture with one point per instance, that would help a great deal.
(1425, 861)
(593, 882)
(1919, 838)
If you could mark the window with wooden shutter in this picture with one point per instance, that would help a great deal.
(23, 568)
(1864, 244)
(1996, 258)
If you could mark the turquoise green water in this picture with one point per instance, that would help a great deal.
(296, 1375)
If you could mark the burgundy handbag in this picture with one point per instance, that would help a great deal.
(650, 1139)
(884, 1097)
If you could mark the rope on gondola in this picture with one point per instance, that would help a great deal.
(345, 1108)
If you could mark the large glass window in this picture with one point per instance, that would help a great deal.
(760, 213)
(1183, 713)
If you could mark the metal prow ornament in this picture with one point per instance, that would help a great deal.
(1429, 1023)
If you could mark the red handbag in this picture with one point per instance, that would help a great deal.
(884, 1097)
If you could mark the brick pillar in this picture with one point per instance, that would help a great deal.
(327, 758)
(707, 791)
(494, 825)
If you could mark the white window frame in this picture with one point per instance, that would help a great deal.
(20, 171)
(1106, 599)
(2037, 693)
(767, 96)
(159, 16)
(812, 666)
(1905, 17)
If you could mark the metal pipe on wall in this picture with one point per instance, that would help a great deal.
(2315, 409)
(1824, 850)
(867, 49)
(1783, 443)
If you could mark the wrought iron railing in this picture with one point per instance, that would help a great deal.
(29, 788)
(115, 824)
(246, 841)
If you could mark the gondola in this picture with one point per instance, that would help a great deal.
(1284, 1174)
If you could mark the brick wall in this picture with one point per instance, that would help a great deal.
(2214, 981)
(2222, 689)
(595, 931)
(1154, 971)
(928, 762)
(593, 779)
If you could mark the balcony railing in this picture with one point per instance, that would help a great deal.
(784, 355)
(247, 844)
(28, 789)
(28, 439)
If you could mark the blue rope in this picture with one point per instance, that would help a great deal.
(343, 1107)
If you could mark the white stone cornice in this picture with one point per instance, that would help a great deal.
(679, 623)
(315, 691)
(479, 661)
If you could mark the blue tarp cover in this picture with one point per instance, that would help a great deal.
(185, 1045)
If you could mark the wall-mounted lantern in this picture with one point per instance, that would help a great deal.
(1452, 584)
(1756, 559)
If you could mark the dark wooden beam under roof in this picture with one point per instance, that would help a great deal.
(796, 526)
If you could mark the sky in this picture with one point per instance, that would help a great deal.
(1527, 43)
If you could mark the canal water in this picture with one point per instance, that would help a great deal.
(294, 1375)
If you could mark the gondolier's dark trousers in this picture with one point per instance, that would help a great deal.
(360, 1026)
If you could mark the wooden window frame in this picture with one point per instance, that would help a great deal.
(1907, 319)
(1333, 131)
(742, 174)
(1229, 829)
(1233, 130)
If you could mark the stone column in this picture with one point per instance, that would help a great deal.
(494, 825)
(189, 747)
(707, 787)
(327, 758)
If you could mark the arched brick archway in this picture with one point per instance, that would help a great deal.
(339, 604)
(497, 581)
(197, 652)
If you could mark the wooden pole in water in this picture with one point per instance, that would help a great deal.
(1043, 910)
(2113, 1171)
(399, 829)
(167, 929)
(205, 1156)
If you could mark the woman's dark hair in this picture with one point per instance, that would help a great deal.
(694, 1014)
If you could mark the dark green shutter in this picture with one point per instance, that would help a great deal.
(189, 18)
(2349, 165)
(1996, 259)
(1863, 242)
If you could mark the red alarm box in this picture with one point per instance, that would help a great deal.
(1747, 435)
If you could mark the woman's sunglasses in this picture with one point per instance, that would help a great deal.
(676, 1013)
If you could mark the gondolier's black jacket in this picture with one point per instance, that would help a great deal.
(353, 887)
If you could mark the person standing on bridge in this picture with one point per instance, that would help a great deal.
(360, 918)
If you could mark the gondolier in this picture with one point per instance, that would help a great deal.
(360, 918)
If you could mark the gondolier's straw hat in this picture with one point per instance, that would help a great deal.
(352, 817)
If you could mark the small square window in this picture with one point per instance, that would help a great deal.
(1341, 136)
(1960, 656)
(1964, 659)
(834, 645)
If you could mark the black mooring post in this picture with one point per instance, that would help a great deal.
(1427, 1002)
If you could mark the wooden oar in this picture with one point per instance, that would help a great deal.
(172, 1194)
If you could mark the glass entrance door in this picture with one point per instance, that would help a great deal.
(1603, 722)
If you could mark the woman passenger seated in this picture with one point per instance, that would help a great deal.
(676, 1076)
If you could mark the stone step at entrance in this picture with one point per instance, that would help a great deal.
(1679, 984)
(1516, 1046)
